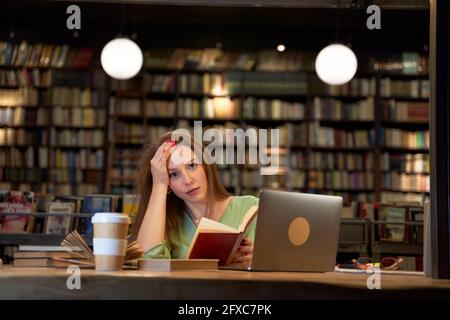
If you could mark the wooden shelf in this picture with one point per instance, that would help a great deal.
(214, 120)
(403, 191)
(63, 68)
(408, 125)
(339, 149)
(282, 96)
(407, 173)
(76, 147)
(23, 106)
(161, 95)
(354, 124)
(73, 169)
(130, 117)
(197, 95)
(343, 190)
(272, 121)
(6, 86)
(342, 97)
(77, 127)
(403, 150)
(405, 98)
(399, 248)
(409, 76)
(342, 170)
(25, 126)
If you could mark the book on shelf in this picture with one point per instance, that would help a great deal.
(214, 240)
(159, 108)
(341, 180)
(396, 138)
(277, 109)
(130, 206)
(93, 204)
(177, 264)
(391, 197)
(41, 202)
(209, 108)
(408, 111)
(260, 83)
(392, 232)
(15, 202)
(406, 163)
(330, 137)
(334, 109)
(360, 210)
(357, 87)
(406, 182)
(341, 161)
(61, 223)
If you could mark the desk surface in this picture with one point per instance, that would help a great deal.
(50, 283)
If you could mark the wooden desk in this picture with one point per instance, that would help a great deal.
(50, 283)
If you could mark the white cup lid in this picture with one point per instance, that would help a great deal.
(110, 217)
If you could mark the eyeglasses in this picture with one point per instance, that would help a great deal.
(387, 263)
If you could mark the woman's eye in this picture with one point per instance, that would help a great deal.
(172, 175)
(192, 165)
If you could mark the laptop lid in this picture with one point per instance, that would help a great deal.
(296, 232)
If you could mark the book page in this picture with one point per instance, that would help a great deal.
(248, 218)
(208, 225)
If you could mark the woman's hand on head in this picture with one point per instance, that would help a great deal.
(159, 164)
(244, 254)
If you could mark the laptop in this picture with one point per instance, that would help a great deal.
(296, 232)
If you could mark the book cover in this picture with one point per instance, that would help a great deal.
(177, 264)
(130, 206)
(59, 224)
(392, 231)
(15, 202)
(40, 205)
(92, 205)
(214, 240)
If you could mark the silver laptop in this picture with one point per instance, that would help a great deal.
(296, 232)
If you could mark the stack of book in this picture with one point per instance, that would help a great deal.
(45, 256)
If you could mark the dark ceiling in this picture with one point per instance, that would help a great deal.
(234, 26)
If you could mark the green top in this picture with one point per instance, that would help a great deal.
(232, 216)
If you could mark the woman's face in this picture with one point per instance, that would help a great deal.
(187, 177)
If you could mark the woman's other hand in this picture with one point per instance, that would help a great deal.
(244, 254)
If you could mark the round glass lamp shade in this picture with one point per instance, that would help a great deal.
(336, 64)
(121, 58)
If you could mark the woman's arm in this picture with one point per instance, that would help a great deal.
(152, 230)
(153, 226)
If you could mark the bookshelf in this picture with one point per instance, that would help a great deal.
(366, 140)
(52, 119)
(69, 130)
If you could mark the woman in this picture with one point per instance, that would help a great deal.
(175, 195)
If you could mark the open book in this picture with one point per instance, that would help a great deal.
(215, 240)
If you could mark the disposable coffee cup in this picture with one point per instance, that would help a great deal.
(110, 240)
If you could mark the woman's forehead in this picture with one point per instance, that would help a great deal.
(180, 156)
